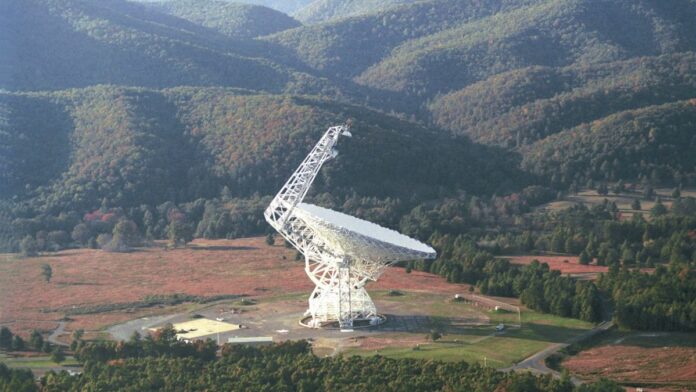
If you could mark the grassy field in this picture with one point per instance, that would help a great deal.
(623, 200)
(472, 343)
(270, 276)
(38, 365)
(666, 360)
(93, 278)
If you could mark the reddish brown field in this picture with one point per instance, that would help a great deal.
(92, 277)
(573, 266)
(666, 360)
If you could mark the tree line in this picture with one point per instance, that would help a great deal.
(664, 300)
(462, 261)
(162, 363)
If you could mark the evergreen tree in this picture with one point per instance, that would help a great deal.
(658, 209)
(5, 338)
(18, 343)
(602, 189)
(57, 355)
(676, 193)
(46, 272)
(36, 340)
(648, 192)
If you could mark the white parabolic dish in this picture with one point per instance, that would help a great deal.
(361, 239)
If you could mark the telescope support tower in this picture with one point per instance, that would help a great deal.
(342, 253)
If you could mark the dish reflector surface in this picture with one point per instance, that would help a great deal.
(362, 238)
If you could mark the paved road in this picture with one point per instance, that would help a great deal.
(537, 362)
(53, 337)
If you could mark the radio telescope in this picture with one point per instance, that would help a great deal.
(342, 253)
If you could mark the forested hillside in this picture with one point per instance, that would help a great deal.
(549, 33)
(556, 91)
(117, 147)
(656, 143)
(323, 10)
(345, 48)
(522, 106)
(232, 19)
(285, 6)
(55, 44)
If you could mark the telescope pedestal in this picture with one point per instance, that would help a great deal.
(339, 295)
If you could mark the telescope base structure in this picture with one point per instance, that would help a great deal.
(338, 298)
(375, 321)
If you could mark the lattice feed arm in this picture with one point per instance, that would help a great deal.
(295, 189)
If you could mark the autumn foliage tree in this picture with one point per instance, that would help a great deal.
(180, 231)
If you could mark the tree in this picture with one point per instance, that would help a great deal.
(612, 257)
(78, 334)
(225, 193)
(648, 192)
(57, 355)
(676, 193)
(602, 189)
(5, 338)
(180, 232)
(635, 205)
(125, 235)
(28, 247)
(270, 239)
(76, 339)
(18, 343)
(149, 223)
(58, 239)
(103, 240)
(81, 233)
(658, 209)
(585, 258)
(36, 340)
(46, 272)
(435, 335)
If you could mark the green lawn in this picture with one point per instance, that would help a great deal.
(479, 344)
(37, 362)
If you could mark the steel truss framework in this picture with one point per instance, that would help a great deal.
(339, 262)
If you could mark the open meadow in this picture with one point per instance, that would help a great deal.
(469, 332)
(642, 359)
(100, 291)
(87, 283)
(622, 199)
(566, 264)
